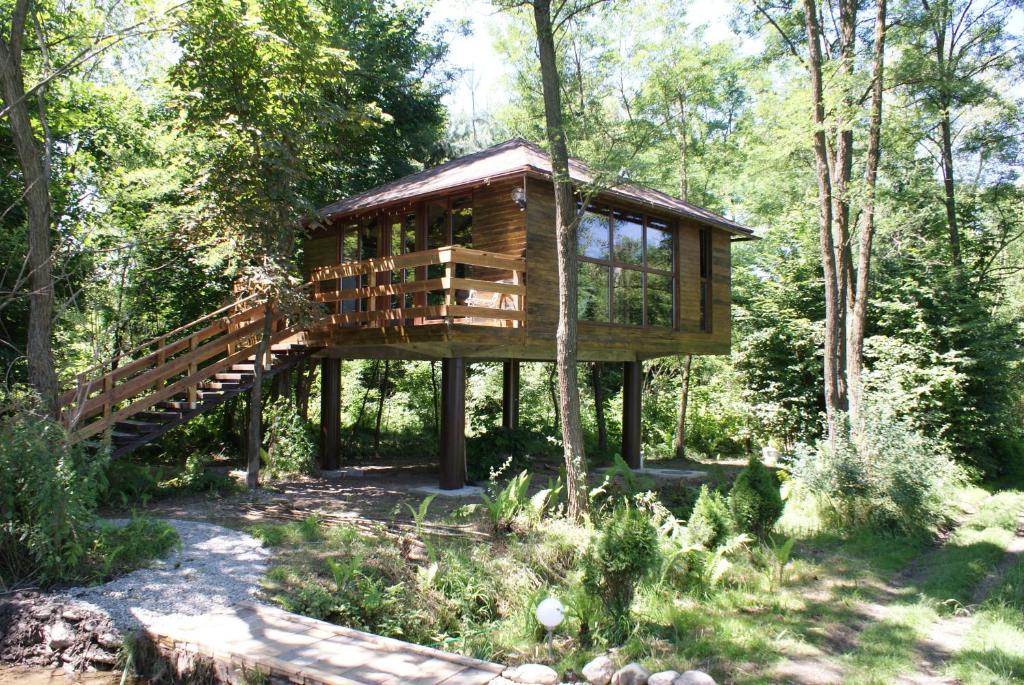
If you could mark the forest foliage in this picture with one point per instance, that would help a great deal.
(190, 146)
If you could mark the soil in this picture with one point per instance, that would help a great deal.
(22, 675)
(53, 631)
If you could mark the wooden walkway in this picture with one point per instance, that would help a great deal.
(286, 647)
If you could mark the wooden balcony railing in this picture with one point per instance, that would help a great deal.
(448, 284)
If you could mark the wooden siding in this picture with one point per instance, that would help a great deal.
(318, 251)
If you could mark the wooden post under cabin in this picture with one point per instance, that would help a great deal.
(510, 394)
(632, 389)
(330, 413)
(453, 423)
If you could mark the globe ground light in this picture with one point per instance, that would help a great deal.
(550, 613)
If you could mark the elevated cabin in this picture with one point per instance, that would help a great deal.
(458, 263)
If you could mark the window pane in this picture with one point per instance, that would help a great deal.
(462, 221)
(627, 297)
(592, 292)
(395, 237)
(350, 244)
(409, 233)
(437, 225)
(629, 236)
(592, 236)
(659, 246)
(368, 241)
(659, 300)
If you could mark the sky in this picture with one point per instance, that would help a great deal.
(476, 56)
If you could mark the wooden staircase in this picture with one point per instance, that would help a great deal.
(145, 392)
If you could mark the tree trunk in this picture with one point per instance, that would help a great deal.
(679, 444)
(949, 188)
(383, 389)
(253, 442)
(602, 425)
(857, 317)
(41, 374)
(565, 237)
(553, 393)
(834, 307)
(303, 386)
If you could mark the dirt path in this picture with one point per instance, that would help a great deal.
(946, 636)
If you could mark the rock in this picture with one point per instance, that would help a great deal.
(631, 674)
(108, 640)
(532, 674)
(58, 636)
(73, 614)
(694, 678)
(663, 678)
(599, 671)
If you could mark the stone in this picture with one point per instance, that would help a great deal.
(532, 674)
(58, 636)
(631, 674)
(663, 678)
(73, 614)
(694, 678)
(770, 456)
(108, 640)
(599, 671)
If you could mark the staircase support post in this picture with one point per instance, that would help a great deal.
(632, 389)
(330, 413)
(510, 394)
(453, 423)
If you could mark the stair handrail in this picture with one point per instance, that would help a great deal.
(163, 336)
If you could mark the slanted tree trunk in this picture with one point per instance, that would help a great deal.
(834, 306)
(857, 316)
(565, 238)
(41, 374)
(679, 444)
(598, 388)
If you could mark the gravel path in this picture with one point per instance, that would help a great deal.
(215, 568)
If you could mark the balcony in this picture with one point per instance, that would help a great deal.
(445, 285)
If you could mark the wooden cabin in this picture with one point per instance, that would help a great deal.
(457, 263)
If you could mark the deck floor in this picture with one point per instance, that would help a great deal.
(303, 650)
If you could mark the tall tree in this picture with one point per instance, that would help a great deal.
(953, 49)
(35, 179)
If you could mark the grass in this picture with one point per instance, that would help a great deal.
(117, 550)
(477, 598)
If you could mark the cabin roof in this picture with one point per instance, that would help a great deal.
(513, 157)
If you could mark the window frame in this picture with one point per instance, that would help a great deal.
(608, 213)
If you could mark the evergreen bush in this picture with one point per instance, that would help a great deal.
(710, 523)
(621, 557)
(755, 499)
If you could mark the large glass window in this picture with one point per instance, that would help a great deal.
(626, 269)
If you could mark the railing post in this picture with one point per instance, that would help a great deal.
(193, 394)
(449, 293)
(267, 359)
(161, 358)
(108, 395)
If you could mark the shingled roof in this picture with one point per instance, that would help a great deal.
(508, 159)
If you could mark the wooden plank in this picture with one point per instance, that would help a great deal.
(485, 312)
(369, 266)
(494, 260)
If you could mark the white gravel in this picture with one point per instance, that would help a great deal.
(215, 568)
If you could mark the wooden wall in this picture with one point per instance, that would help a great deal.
(498, 225)
(604, 341)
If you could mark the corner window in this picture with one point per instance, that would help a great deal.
(626, 269)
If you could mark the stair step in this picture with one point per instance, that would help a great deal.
(136, 426)
(159, 416)
(219, 385)
(118, 436)
(232, 376)
(177, 405)
(251, 368)
(203, 394)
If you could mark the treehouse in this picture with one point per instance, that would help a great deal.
(456, 263)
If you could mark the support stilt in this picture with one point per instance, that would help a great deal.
(453, 423)
(510, 395)
(330, 413)
(632, 388)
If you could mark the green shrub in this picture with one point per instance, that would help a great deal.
(621, 557)
(710, 523)
(502, 505)
(48, 495)
(123, 548)
(488, 451)
(289, 445)
(755, 499)
(895, 479)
